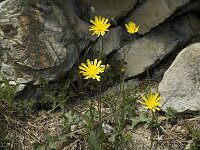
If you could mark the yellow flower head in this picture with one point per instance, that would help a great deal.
(92, 69)
(122, 70)
(151, 101)
(107, 66)
(100, 26)
(131, 27)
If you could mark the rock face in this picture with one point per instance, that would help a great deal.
(154, 12)
(111, 41)
(37, 41)
(180, 86)
(153, 47)
(43, 39)
(107, 8)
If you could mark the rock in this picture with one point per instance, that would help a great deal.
(107, 129)
(178, 129)
(183, 131)
(19, 88)
(67, 6)
(180, 86)
(153, 47)
(154, 12)
(111, 41)
(38, 41)
(193, 6)
(107, 8)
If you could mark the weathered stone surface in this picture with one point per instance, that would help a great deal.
(154, 12)
(37, 41)
(193, 6)
(111, 41)
(107, 8)
(154, 46)
(180, 86)
(68, 6)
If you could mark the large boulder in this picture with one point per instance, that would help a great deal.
(154, 12)
(152, 48)
(180, 86)
(38, 41)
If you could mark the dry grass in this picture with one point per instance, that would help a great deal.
(24, 133)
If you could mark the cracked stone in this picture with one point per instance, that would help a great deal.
(180, 86)
(38, 41)
(152, 48)
(154, 12)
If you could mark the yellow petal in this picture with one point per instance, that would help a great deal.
(92, 21)
(157, 108)
(144, 98)
(83, 65)
(106, 21)
(126, 26)
(96, 19)
(98, 78)
(136, 30)
(156, 95)
(88, 63)
(99, 63)
(142, 103)
(103, 19)
(95, 62)
(81, 68)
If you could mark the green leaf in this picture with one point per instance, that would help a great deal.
(76, 119)
(93, 141)
(47, 136)
(52, 145)
(135, 121)
(69, 117)
(142, 117)
(112, 138)
(38, 146)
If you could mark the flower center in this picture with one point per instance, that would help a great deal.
(93, 70)
(152, 104)
(100, 26)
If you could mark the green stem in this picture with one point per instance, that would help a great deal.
(151, 129)
(99, 99)
(80, 89)
(101, 43)
(148, 77)
(115, 116)
(91, 115)
(123, 104)
(100, 117)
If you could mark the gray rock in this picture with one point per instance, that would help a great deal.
(154, 12)
(111, 41)
(180, 86)
(67, 6)
(107, 8)
(193, 6)
(38, 41)
(153, 47)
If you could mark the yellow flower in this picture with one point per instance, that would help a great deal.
(92, 69)
(107, 66)
(131, 27)
(151, 101)
(122, 70)
(100, 26)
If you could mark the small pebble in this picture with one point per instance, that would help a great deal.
(183, 131)
(178, 129)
